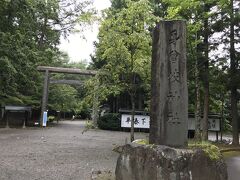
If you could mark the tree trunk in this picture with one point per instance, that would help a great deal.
(132, 117)
(234, 113)
(222, 117)
(197, 136)
(206, 81)
(95, 108)
(233, 89)
(197, 106)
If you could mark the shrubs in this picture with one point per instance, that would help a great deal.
(211, 150)
(110, 121)
(88, 125)
(51, 118)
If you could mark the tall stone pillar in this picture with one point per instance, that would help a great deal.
(169, 91)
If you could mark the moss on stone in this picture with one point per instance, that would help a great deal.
(141, 141)
(211, 150)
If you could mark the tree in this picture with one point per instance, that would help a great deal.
(125, 46)
(29, 34)
(201, 19)
(63, 98)
(233, 73)
(227, 25)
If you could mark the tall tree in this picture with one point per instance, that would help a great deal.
(200, 21)
(227, 24)
(233, 75)
(125, 45)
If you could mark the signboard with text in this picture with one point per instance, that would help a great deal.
(213, 124)
(143, 121)
(140, 121)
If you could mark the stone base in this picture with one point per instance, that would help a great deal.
(151, 162)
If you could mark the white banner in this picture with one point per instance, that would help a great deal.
(44, 119)
(141, 121)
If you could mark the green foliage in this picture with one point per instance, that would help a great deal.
(84, 111)
(29, 34)
(69, 97)
(211, 150)
(88, 126)
(110, 121)
(63, 98)
(51, 118)
(141, 141)
(124, 48)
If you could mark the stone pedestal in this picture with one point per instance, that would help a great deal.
(141, 162)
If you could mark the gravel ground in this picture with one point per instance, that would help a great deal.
(60, 152)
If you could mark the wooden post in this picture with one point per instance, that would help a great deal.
(7, 122)
(169, 96)
(45, 95)
(24, 124)
(25, 119)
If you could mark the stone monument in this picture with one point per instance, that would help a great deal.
(168, 124)
(169, 95)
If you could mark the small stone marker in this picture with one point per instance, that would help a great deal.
(169, 101)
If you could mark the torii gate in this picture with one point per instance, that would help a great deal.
(49, 70)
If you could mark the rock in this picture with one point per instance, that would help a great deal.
(151, 162)
(102, 175)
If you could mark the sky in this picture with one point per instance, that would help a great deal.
(79, 49)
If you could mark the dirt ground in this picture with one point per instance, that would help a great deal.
(60, 152)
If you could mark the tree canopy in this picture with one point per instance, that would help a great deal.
(29, 36)
(30, 33)
(124, 50)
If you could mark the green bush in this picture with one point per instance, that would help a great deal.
(110, 121)
(51, 118)
(89, 125)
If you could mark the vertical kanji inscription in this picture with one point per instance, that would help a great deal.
(174, 79)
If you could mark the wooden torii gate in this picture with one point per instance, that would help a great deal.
(49, 70)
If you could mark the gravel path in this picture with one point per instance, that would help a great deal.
(60, 152)
(233, 164)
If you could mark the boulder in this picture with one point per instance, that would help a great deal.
(152, 162)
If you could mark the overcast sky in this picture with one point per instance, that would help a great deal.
(78, 48)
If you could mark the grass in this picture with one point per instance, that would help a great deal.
(230, 154)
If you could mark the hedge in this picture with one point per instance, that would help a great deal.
(110, 121)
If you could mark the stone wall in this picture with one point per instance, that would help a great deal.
(151, 162)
